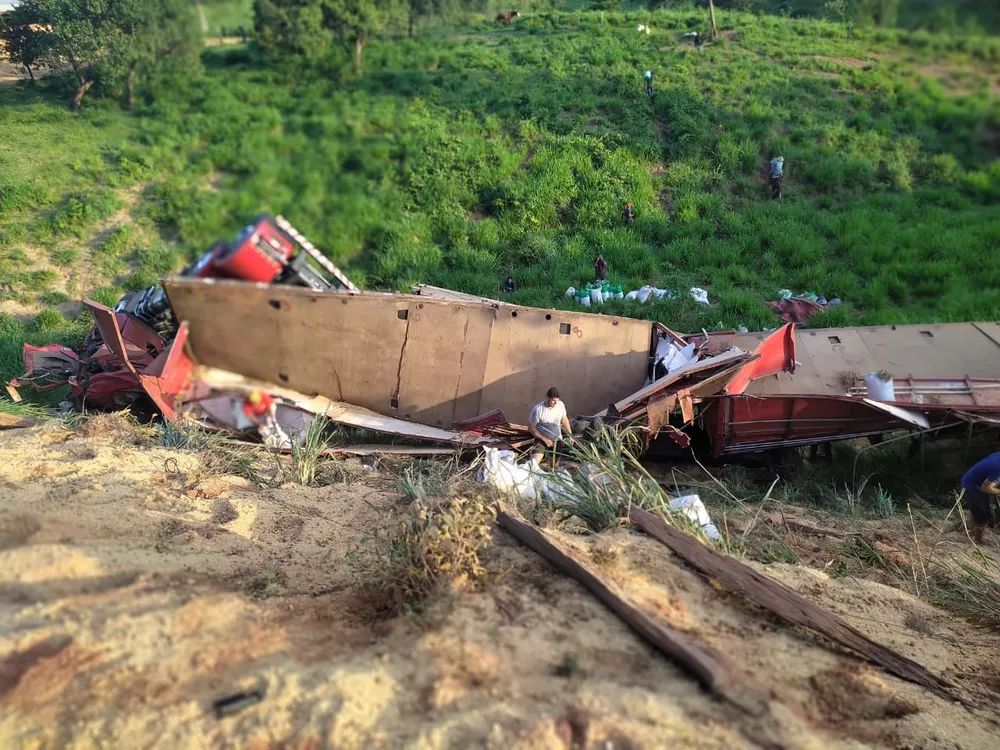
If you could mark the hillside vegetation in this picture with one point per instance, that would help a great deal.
(467, 154)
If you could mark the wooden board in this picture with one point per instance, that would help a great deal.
(710, 667)
(436, 361)
(335, 411)
(783, 601)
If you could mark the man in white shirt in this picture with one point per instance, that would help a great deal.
(776, 173)
(547, 423)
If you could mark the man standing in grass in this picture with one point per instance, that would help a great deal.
(776, 173)
(982, 484)
(600, 267)
(629, 214)
(648, 76)
(546, 423)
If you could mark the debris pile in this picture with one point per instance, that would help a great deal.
(797, 308)
(263, 334)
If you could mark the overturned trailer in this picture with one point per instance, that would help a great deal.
(268, 310)
(417, 357)
(441, 358)
(809, 387)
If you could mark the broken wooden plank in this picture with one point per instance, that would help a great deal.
(336, 411)
(710, 667)
(16, 421)
(392, 450)
(784, 602)
(694, 367)
(780, 519)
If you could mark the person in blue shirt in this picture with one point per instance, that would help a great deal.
(982, 484)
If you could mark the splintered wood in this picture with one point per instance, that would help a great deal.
(710, 667)
(784, 602)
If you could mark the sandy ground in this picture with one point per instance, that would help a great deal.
(136, 589)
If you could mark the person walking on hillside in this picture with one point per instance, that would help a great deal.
(546, 423)
(629, 214)
(776, 173)
(600, 268)
(982, 485)
(648, 76)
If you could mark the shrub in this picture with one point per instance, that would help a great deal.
(435, 542)
(78, 211)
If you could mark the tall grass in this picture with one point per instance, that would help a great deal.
(607, 479)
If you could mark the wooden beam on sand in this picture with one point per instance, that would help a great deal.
(710, 667)
(786, 603)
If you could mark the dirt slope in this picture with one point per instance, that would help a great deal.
(135, 589)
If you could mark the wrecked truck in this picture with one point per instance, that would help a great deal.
(137, 336)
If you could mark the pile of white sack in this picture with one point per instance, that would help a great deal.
(642, 296)
(646, 293)
(529, 482)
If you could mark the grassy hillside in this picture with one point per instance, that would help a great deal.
(465, 155)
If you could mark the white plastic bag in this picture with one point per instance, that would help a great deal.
(699, 295)
(501, 472)
(631, 296)
(692, 507)
(878, 389)
(570, 293)
(527, 480)
(644, 294)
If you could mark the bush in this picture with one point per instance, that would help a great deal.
(434, 543)
(78, 211)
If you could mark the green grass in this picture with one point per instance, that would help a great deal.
(464, 155)
(228, 15)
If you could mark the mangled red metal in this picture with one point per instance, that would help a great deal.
(137, 351)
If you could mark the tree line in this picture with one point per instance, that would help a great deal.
(114, 46)
(110, 44)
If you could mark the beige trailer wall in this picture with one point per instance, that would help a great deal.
(413, 357)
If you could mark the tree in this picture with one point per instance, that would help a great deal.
(23, 41)
(311, 27)
(421, 9)
(292, 27)
(355, 21)
(843, 11)
(113, 42)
